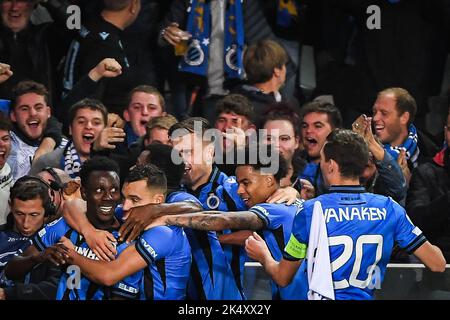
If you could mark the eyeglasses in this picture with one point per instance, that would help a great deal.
(283, 138)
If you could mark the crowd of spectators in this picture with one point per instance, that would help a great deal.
(139, 74)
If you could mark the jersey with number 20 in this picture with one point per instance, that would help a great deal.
(362, 229)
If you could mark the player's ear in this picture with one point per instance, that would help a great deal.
(269, 180)
(404, 118)
(158, 198)
(333, 166)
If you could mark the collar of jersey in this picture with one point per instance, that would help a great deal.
(213, 177)
(346, 189)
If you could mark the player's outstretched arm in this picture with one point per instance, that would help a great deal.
(281, 272)
(103, 272)
(431, 256)
(214, 221)
(138, 218)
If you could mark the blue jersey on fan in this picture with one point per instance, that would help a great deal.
(220, 193)
(278, 219)
(168, 255)
(87, 290)
(362, 230)
(211, 276)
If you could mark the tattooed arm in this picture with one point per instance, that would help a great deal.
(213, 221)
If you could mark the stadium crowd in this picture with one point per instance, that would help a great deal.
(163, 144)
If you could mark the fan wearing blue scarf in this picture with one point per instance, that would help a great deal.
(393, 114)
(87, 120)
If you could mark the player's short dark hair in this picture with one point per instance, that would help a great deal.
(25, 87)
(277, 166)
(188, 126)
(161, 156)
(91, 104)
(97, 163)
(334, 115)
(236, 103)
(155, 177)
(404, 101)
(349, 150)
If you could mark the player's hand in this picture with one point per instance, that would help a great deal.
(256, 248)
(136, 221)
(72, 190)
(108, 137)
(286, 195)
(102, 243)
(65, 249)
(2, 294)
(5, 72)
(108, 68)
(174, 35)
(53, 255)
(114, 120)
(403, 163)
(307, 192)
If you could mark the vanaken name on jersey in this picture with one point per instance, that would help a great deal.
(354, 213)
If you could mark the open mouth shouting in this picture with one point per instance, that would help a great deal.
(33, 123)
(88, 138)
(2, 157)
(311, 143)
(14, 16)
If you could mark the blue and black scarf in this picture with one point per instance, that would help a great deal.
(409, 145)
(70, 161)
(199, 25)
